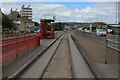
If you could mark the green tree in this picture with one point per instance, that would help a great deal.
(7, 23)
(58, 26)
(36, 23)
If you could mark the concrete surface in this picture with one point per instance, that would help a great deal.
(60, 65)
(96, 52)
(13, 67)
(79, 65)
(106, 70)
(36, 70)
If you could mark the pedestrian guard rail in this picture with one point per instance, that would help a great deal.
(14, 46)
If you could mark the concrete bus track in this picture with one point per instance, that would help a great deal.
(43, 66)
(78, 66)
(88, 61)
(41, 63)
(94, 53)
(60, 65)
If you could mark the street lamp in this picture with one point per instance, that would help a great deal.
(92, 12)
(92, 15)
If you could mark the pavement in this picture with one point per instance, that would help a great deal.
(96, 52)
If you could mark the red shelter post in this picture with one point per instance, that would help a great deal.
(44, 24)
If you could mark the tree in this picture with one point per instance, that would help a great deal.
(7, 23)
(36, 23)
(58, 26)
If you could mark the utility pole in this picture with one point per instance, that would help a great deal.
(91, 21)
(116, 12)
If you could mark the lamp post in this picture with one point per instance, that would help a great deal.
(92, 12)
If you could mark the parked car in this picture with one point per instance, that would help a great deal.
(109, 31)
(82, 30)
(116, 31)
(87, 31)
(101, 32)
(115, 28)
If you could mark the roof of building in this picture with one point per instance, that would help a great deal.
(114, 25)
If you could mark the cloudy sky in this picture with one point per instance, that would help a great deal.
(68, 11)
(58, 0)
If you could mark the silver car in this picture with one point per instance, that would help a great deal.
(101, 32)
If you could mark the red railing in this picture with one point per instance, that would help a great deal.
(12, 47)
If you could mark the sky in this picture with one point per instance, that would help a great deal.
(68, 11)
(58, 0)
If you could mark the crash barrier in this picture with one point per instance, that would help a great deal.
(13, 46)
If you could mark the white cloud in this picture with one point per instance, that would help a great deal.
(105, 11)
(86, 10)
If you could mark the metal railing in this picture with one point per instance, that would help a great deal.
(13, 46)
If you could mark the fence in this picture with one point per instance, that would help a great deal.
(13, 46)
(15, 35)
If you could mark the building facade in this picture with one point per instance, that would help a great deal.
(22, 19)
(26, 12)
